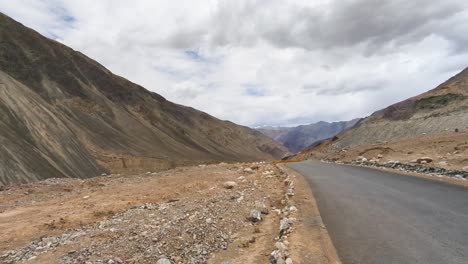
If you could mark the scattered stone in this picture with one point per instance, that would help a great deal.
(262, 207)
(229, 185)
(379, 156)
(185, 232)
(424, 159)
(255, 216)
(249, 170)
(285, 224)
(289, 261)
(163, 261)
(362, 159)
(443, 163)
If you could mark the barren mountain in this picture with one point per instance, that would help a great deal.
(64, 115)
(300, 137)
(442, 109)
(433, 124)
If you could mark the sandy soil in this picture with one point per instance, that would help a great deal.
(186, 215)
(448, 150)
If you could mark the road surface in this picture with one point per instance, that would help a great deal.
(378, 217)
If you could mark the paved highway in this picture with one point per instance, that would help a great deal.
(378, 217)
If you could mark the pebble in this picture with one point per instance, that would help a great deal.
(255, 216)
(163, 261)
(229, 185)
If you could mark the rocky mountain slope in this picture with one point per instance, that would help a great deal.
(301, 137)
(431, 127)
(64, 115)
(442, 109)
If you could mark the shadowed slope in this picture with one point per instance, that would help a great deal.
(64, 115)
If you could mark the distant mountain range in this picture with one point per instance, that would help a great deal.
(302, 137)
(63, 114)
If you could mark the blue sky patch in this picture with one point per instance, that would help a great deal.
(194, 55)
(68, 19)
(254, 89)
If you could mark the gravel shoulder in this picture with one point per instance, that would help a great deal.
(313, 243)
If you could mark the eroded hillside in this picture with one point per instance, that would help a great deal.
(64, 115)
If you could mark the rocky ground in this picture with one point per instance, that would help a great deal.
(225, 213)
(443, 154)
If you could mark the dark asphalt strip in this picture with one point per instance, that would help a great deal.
(381, 217)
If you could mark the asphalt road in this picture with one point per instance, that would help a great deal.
(378, 217)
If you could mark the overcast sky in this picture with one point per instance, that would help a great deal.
(261, 62)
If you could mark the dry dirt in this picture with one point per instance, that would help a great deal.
(448, 150)
(186, 215)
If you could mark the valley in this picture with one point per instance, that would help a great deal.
(97, 169)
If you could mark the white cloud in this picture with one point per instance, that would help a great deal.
(265, 62)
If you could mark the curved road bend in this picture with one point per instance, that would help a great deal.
(376, 217)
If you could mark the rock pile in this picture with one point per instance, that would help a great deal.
(281, 253)
(419, 168)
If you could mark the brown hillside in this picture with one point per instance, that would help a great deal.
(64, 115)
(440, 110)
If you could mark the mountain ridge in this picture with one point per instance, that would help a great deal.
(432, 123)
(65, 115)
(303, 136)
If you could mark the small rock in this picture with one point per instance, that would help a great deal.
(255, 216)
(229, 185)
(86, 197)
(443, 163)
(262, 207)
(379, 156)
(289, 261)
(248, 170)
(362, 159)
(163, 261)
(465, 168)
(285, 224)
(209, 221)
(424, 159)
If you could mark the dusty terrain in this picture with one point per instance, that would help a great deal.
(447, 150)
(187, 215)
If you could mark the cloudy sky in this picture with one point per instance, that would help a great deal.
(260, 62)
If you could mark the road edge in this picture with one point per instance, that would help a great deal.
(442, 179)
(317, 246)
